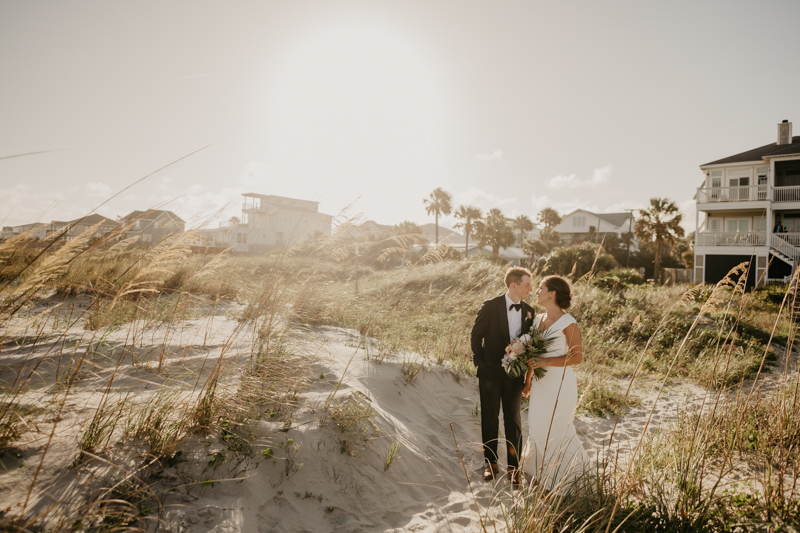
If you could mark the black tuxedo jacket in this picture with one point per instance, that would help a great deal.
(490, 334)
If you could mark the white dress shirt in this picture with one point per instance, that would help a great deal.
(514, 319)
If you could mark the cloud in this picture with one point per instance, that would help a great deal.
(572, 181)
(23, 204)
(497, 155)
(95, 189)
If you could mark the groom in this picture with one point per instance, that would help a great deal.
(499, 320)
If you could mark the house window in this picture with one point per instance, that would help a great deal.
(579, 222)
(738, 225)
(716, 183)
(761, 178)
(715, 224)
(241, 238)
(740, 189)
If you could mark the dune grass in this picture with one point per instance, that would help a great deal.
(106, 310)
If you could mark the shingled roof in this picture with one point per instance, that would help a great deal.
(151, 214)
(89, 220)
(756, 154)
(615, 219)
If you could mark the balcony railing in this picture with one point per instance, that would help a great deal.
(748, 193)
(732, 238)
(786, 194)
(782, 242)
(792, 238)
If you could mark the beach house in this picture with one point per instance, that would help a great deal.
(270, 222)
(582, 225)
(70, 229)
(748, 209)
(34, 230)
(153, 225)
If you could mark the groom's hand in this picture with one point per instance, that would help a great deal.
(526, 390)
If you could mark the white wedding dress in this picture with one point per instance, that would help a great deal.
(553, 453)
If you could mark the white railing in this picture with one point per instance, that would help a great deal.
(779, 243)
(791, 238)
(786, 194)
(747, 193)
(732, 238)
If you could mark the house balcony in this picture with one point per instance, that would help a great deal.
(784, 245)
(733, 238)
(786, 194)
(747, 193)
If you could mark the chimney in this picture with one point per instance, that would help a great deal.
(785, 132)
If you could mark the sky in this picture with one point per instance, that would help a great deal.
(367, 106)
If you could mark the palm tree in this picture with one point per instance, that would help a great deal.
(660, 223)
(523, 224)
(469, 214)
(494, 231)
(439, 203)
(549, 218)
(534, 248)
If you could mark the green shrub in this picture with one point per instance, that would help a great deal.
(618, 278)
(576, 261)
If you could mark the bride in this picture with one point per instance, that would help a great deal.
(553, 453)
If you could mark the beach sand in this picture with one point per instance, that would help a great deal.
(315, 479)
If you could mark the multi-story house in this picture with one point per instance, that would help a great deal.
(576, 227)
(269, 222)
(35, 230)
(750, 209)
(154, 225)
(73, 228)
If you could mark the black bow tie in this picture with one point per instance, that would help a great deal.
(517, 307)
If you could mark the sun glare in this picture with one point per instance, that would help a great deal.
(356, 86)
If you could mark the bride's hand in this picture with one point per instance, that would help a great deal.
(526, 390)
(532, 364)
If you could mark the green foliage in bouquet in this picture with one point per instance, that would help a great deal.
(526, 348)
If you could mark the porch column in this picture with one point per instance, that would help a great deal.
(770, 223)
(696, 240)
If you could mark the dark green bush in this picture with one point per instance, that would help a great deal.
(563, 261)
(618, 278)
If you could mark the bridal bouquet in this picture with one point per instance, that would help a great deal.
(526, 348)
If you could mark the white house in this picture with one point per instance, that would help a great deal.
(748, 209)
(270, 222)
(68, 230)
(575, 227)
(35, 230)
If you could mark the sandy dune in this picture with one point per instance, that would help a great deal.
(315, 481)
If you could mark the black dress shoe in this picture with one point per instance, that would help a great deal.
(490, 472)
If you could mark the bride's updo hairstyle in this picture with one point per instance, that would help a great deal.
(562, 289)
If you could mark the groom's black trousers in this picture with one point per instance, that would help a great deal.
(496, 390)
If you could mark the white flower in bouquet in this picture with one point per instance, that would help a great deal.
(528, 347)
(517, 347)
